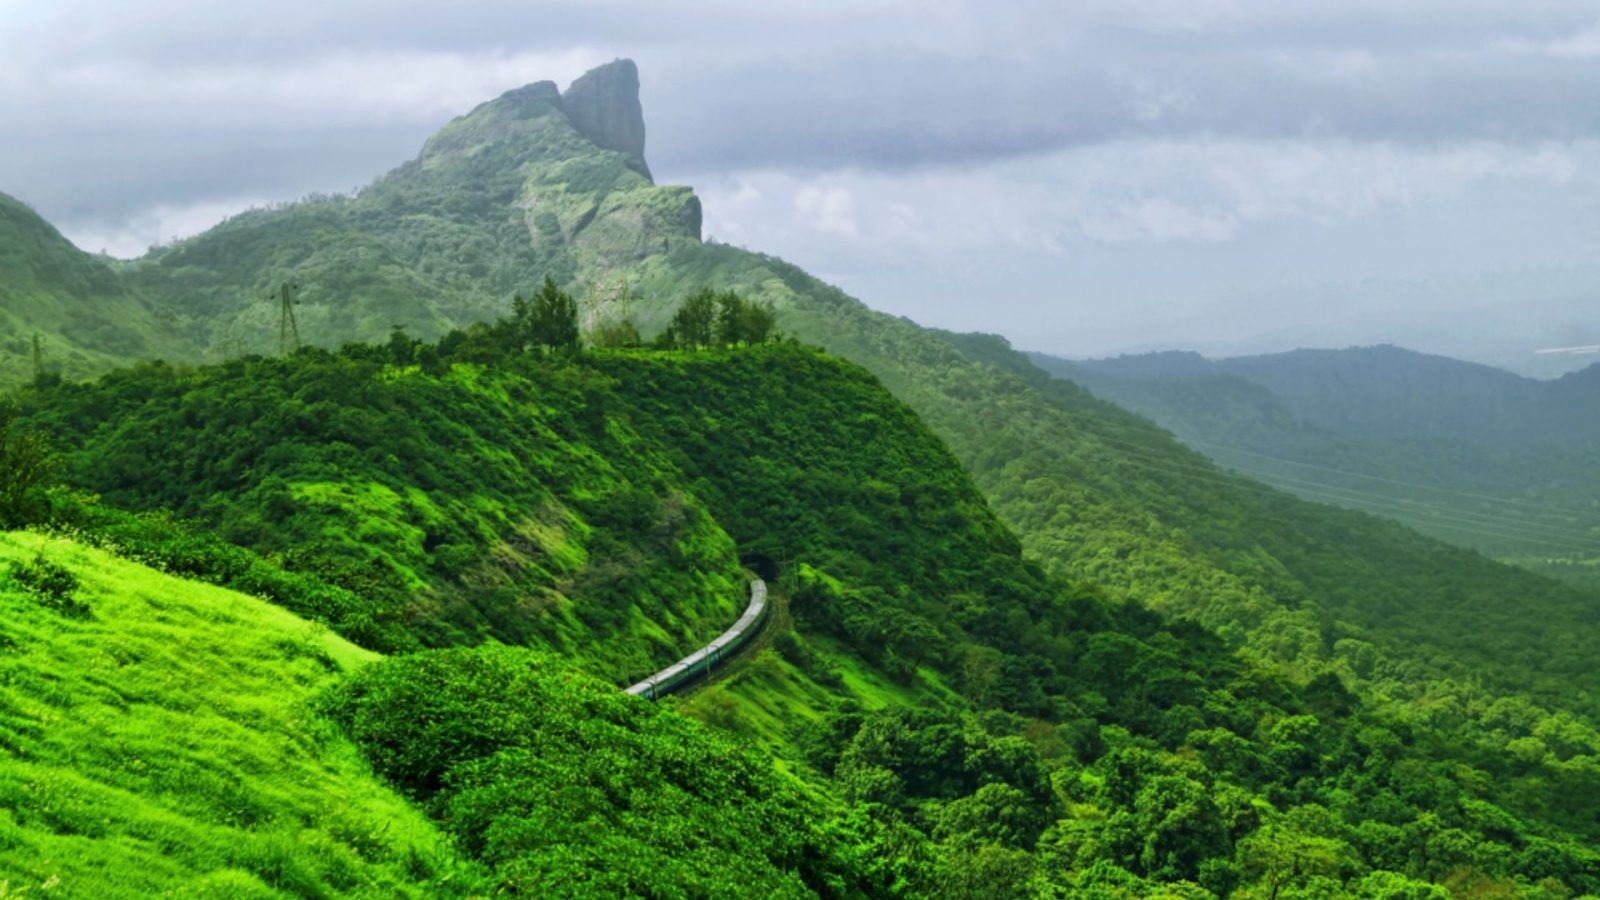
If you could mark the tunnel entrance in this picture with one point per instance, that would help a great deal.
(763, 565)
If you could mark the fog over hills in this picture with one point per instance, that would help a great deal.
(1088, 179)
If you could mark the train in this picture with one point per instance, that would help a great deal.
(699, 664)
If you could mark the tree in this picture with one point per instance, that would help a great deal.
(730, 318)
(402, 348)
(548, 321)
(26, 466)
(694, 324)
(757, 322)
(1280, 857)
(619, 333)
(996, 813)
(740, 321)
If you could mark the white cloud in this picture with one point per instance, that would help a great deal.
(157, 225)
(368, 86)
(1582, 45)
(1142, 191)
(830, 210)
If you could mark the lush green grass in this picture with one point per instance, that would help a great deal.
(166, 745)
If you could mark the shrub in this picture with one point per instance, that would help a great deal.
(54, 586)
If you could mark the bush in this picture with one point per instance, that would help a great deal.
(54, 585)
(26, 468)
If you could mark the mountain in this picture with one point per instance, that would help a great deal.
(1478, 456)
(515, 187)
(86, 317)
(1037, 644)
(1387, 391)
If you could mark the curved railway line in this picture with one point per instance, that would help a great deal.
(699, 664)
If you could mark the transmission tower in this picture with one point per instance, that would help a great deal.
(38, 358)
(288, 328)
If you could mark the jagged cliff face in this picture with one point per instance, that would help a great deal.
(603, 104)
(537, 181)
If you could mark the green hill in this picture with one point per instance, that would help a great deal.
(1473, 455)
(169, 738)
(87, 317)
(161, 740)
(460, 505)
(963, 716)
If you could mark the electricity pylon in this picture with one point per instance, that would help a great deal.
(288, 328)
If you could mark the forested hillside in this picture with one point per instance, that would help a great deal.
(970, 723)
(85, 317)
(459, 504)
(165, 737)
(1473, 455)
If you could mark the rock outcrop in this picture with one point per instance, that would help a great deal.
(603, 105)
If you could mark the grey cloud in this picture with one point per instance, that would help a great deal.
(884, 139)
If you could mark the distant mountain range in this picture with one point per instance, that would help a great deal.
(1471, 453)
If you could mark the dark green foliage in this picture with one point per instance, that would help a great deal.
(512, 502)
(694, 325)
(1184, 749)
(188, 550)
(740, 321)
(54, 585)
(615, 335)
(549, 321)
(568, 787)
(709, 318)
(26, 469)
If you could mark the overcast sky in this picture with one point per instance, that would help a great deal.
(1086, 178)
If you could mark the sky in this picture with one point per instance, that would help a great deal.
(1086, 178)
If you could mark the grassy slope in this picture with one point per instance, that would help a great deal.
(165, 745)
(87, 318)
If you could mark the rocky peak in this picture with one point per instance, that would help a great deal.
(603, 105)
